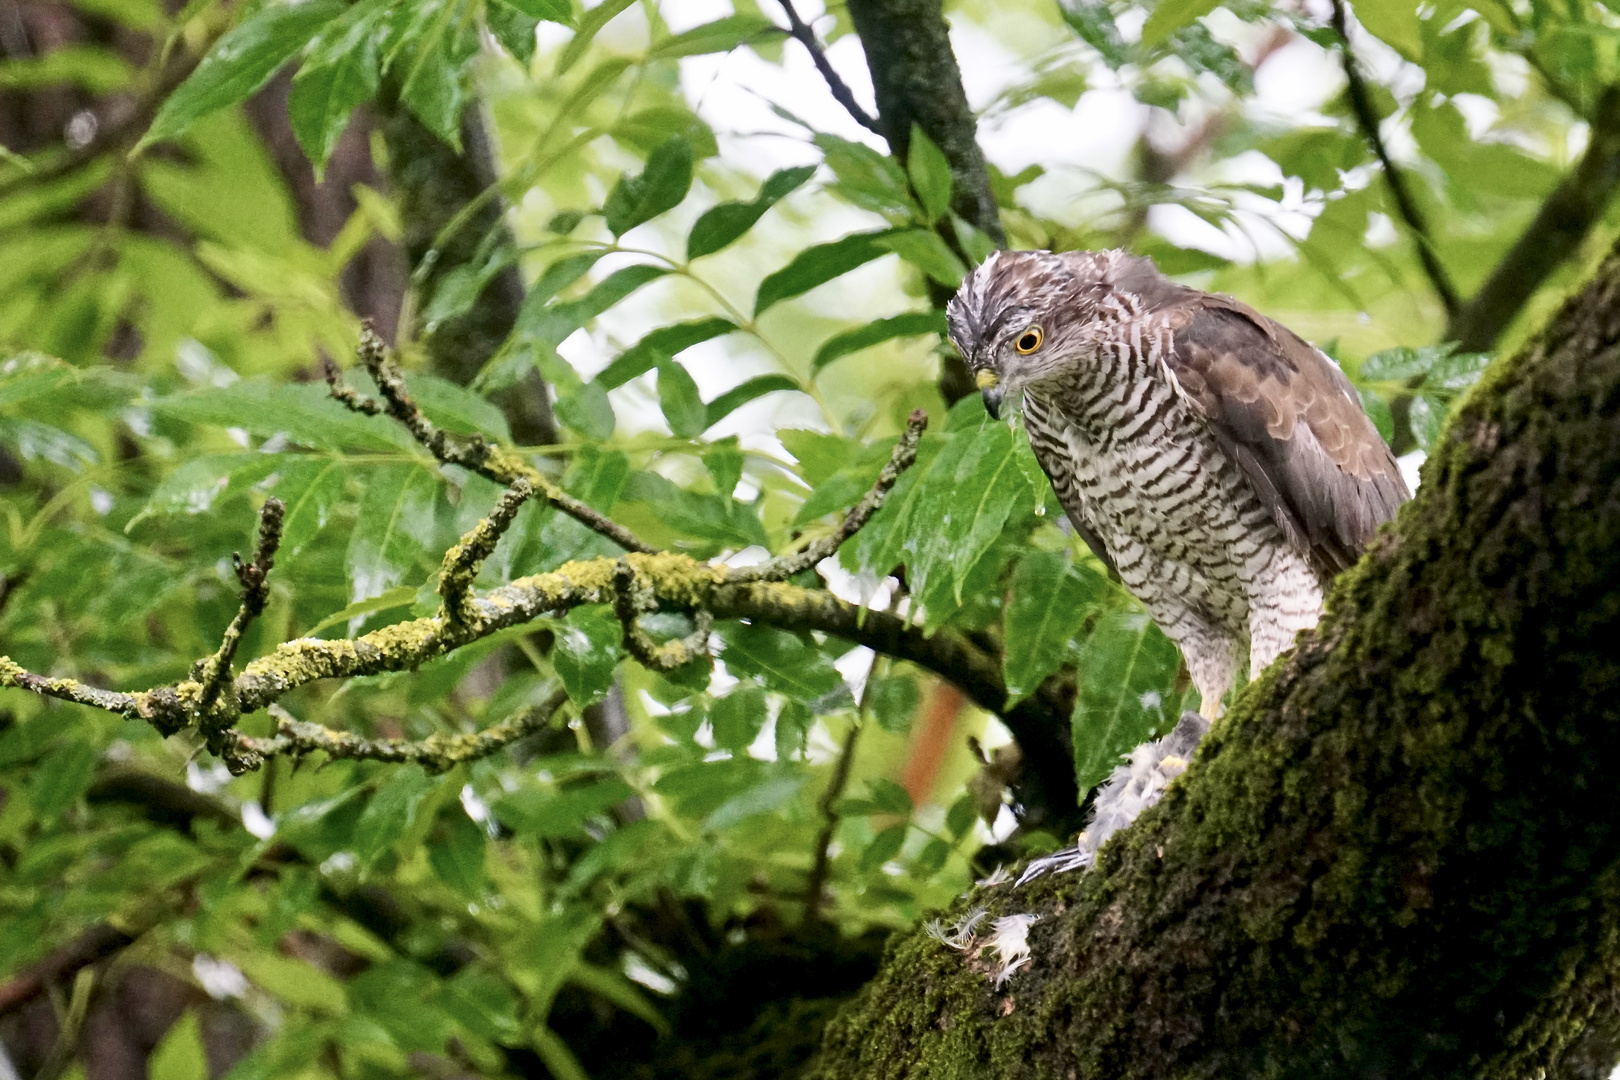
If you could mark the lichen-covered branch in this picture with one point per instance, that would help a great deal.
(255, 579)
(472, 452)
(437, 753)
(463, 561)
(1397, 854)
(903, 457)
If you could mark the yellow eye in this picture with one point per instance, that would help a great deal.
(1029, 341)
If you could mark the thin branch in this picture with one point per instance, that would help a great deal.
(463, 561)
(436, 753)
(15, 676)
(1361, 105)
(840, 89)
(254, 576)
(1562, 224)
(472, 452)
(835, 790)
(903, 457)
(630, 603)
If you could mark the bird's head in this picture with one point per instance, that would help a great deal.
(1025, 317)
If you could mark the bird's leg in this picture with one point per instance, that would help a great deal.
(1292, 602)
(1212, 662)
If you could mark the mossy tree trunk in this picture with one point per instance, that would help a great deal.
(1399, 855)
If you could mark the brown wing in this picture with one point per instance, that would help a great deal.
(1293, 423)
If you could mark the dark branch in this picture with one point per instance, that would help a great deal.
(903, 457)
(829, 799)
(472, 452)
(840, 89)
(1361, 105)
(1559, 229)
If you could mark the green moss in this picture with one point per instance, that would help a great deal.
(1396, 854)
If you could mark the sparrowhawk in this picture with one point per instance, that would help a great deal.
(1220, 464)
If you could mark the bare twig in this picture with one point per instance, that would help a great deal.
(818, 56)
(830, 818)
(254, 576)
(462, 562)
(436, 753)
(472, 452)
(903, 457)
(1361, 105)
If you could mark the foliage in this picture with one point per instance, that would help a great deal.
(732, 351)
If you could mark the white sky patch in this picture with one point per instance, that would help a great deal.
(256, 821)
(220, 979)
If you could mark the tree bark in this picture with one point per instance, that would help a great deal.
(916, 80)
(1399, 855)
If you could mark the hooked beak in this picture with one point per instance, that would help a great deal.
(990, 391)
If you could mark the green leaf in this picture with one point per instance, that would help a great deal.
(535, 811)
(645, 130)
(303, 412)
(398, 596)
(557, 11)
(590, 24)
(553, 1052)
(394, 528)
(1394, 23)
(1171, 15)
(453, 406)
(989, 487)
(767, 797)
(309, 488)
(930, 174)
(180, 1056)
(589, 643)
(927, 252)
(513, 29)
(340, 72)
(866, 178)
(455, 850)
(738, 717)
(680, 401)
(296, 982)
(391, 811)
(876, 332)
(665, 343)
(57, 782)
(721, 35)
(884, 847)
(785, 662)
(241, 62)
(660, 186)
(961, 816)
(741, 394)
(723, 224)
(892, 701)
(889, 797)
(1126, 693)
(1093, 22)
(818, 265)
(194, 486)
(588, 411)
(1051, 599)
